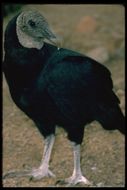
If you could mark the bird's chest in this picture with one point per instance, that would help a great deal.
(22, 68)
(36, 105)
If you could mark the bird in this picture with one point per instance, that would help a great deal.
(55, 86)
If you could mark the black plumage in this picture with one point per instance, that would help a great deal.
(60, 87)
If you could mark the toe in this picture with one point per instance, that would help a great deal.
(51, 174)
(38, 174)
(82, 179)
(13, 174)
(73, 180)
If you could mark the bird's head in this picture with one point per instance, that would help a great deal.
(32, 29)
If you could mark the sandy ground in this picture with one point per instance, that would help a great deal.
(102, 153)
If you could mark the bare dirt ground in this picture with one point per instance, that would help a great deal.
(84, 28)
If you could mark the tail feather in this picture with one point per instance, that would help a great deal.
(111, 118)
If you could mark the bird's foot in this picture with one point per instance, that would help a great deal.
(73, 180)
(40, 173)
(35, 174)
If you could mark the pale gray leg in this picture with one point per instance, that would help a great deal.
(77, 176)
(43, 170)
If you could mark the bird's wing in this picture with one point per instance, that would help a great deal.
(69, 86)
(76, 82)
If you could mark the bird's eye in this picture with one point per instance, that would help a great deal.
(31, 23)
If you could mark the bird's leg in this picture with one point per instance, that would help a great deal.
(77, 176)
(43, 170)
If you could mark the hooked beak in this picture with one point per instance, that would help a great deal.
(56, 41)
(53, 38)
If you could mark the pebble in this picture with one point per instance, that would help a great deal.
(120, 92)
(94, 168)
(100, 184)
(87, 24)
(100, 54)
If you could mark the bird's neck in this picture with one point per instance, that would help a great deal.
(27, 41)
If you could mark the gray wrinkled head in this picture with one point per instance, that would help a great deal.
(32, 28)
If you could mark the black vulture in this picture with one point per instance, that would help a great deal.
(56, 87)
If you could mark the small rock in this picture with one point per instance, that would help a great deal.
(122, 103)
(120, 92)
(94, 168)
(100, 184)
(87, 24)
(121, 51)
(100, 54)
